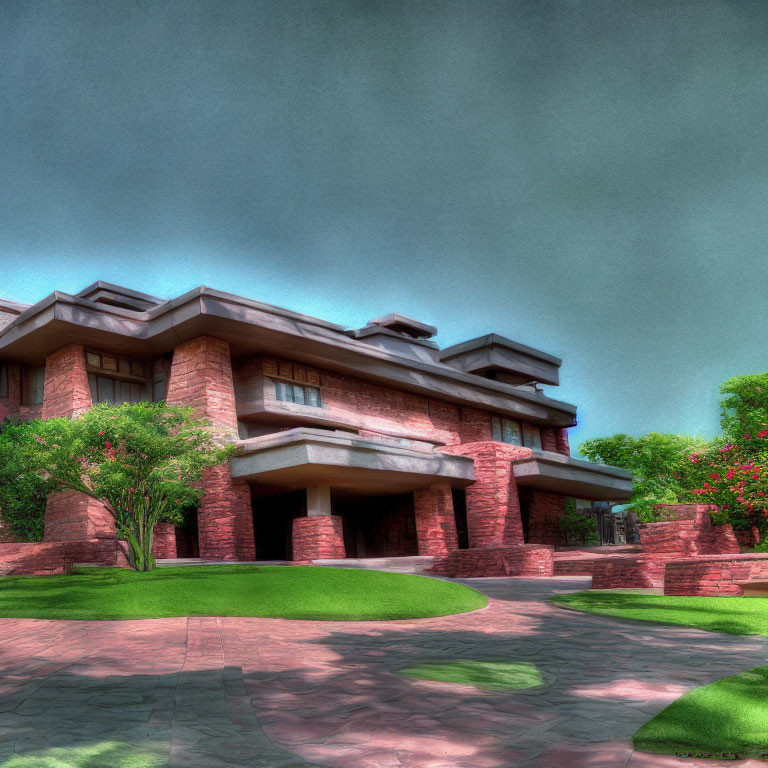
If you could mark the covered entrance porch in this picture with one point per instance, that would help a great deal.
(321, 494)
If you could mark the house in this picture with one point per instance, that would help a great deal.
(350, 443)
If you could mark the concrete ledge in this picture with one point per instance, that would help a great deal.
(714, 575)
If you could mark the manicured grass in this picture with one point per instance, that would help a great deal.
(728, 718)
(290, 592)
(734, 615)
(489, 675)
(114, 754)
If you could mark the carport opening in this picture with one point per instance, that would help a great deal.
(377, 526)
(459, 498)
(187, 542)
(273, 523)
(525, 496)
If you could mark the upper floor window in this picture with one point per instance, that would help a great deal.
(3, 380)
(116, 379)
(303, 394)
(32, 384)
(512, 432)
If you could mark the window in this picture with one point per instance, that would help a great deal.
(510, 431)
(3, 380)
(32, 384)
(115, 379)
(302, 394)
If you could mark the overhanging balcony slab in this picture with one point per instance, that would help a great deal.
(555, 473)
(302, 457)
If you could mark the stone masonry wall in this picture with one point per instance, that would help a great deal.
(164, 541)
(527, 560)
(318, 537)
(714, 576)
(493, 507)
(546, 509)
(689, 535)
(42, 558)
(70, 515)
(435, 521)
(201, 376)
(66, 391)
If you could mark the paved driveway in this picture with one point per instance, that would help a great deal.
(270, 693)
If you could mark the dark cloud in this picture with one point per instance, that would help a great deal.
(586, 176)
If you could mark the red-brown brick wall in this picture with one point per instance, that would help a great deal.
(714, 576)
(546, 509)
(66, 390)
(201, 376)
(318, 537)
(59, 556)
(493, 507)
(526, 560)
(225, 518)
(435, 521)
(691, 534)
(164, 541)
(70, 515)
(563, 445)
(629, 571)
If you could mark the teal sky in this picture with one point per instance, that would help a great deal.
(589, 177)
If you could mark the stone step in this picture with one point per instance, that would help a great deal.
(413, 564)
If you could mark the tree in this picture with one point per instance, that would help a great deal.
(22, 492)
(141, 461)
(658, 461)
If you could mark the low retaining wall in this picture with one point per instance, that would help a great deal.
(629, 572)
(530, 560)
(48, 557)
(714, 575)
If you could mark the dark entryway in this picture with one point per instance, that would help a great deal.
(187, 542)
(459, 497)
(273, 524)
(377, 526)
(525, 495)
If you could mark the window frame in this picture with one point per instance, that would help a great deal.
(4, 377)
(291, 387)
(28, 374)
(501, 426)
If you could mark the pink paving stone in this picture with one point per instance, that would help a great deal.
(262, 693)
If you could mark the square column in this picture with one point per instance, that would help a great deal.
(66, 391)
(318, 537)
(435, 521)
(493, 505)
(201, 376)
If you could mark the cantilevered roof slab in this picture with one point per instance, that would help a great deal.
(303, 457)
(553, 472)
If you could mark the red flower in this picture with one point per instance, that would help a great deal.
(714, 476)
(103, 432)
(763, 433)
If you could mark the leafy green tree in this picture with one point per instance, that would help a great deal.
(579, 526)
(22, 492)
(141, 461)
(658, 461)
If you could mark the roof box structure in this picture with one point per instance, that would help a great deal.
(404, 325)
(117, 296)
(496, 357)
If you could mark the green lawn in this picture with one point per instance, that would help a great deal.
(725, 719)
(489, 675)
(290, 592)
(734, 615)
(114, 754)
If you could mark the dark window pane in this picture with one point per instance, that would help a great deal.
(495, 429)
(106, 389)
(512, 432)
(108, 363)
(298, 394)
(532, 437)
(137, 369)
(94, 359)
(313, 397)
(36, 385)
(3, 381)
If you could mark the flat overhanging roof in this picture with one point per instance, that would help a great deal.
(252, 327)
(303, 457)
(553, 472)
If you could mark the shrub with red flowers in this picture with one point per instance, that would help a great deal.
(730, 471)
(141, 461)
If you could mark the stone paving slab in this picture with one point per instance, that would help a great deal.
(272, 693)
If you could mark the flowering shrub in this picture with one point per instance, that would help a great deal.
(730, 471)
(141, 461)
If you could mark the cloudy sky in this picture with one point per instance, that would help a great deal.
(589, 177)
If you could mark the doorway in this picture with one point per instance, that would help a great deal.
(273, 524)
(377, 526)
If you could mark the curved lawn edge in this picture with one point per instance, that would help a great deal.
(731, 615)
(299, 592)
(726, 719)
